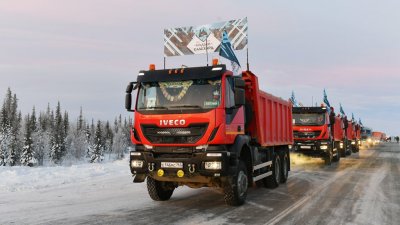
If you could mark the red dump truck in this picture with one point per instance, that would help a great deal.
(317, 133)
(204, 127)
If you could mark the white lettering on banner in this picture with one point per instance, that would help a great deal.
(172, 122)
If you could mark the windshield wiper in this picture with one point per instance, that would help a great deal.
(154, 107)
(186, 106)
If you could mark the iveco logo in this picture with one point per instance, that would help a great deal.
(172, 122)
(305, 129)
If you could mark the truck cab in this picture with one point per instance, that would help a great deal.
(312, 133)
(366, 136)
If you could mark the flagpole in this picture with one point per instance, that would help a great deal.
(247, 53)
(164, 62)
(207, 50)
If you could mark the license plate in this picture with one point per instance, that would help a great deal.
(305, 147)
(171, 165)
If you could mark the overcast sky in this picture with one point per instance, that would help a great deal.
(83, 53)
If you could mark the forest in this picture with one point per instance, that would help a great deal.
(49, 137)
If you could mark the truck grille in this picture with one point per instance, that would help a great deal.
(308, 134)
(177, 135)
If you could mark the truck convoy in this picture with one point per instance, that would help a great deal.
(204, 127)
(318, 133)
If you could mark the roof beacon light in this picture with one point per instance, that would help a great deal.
(152, 67)
(215, 62)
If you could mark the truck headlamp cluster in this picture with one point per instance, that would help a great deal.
(199, 147)
(323, 147)
(136, 163)
(212, 165)
(341, 145)
(353, 142)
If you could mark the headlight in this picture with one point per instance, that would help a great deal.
(136, 163)
(323, 147)
(369, 140)
(353, 142)
(212, 165)
(341, 145)
(148, 147)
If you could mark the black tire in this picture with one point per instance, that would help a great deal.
(337, 157)
(328, 157)
(159, 190)
(284, 167)
(274, 180)
(235, 192)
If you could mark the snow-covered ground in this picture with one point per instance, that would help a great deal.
(360, 189)
(22, 178)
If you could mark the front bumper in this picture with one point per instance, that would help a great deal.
(190, 161)
(311, 148)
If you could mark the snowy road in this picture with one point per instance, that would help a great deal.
(361, 189)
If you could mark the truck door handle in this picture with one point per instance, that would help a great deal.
(239, 128)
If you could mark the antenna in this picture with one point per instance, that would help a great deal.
(164, 62)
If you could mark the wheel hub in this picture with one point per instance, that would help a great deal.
(242, 183)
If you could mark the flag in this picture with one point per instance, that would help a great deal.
(352, 117)
(359, 121)
(227, 52)
(293, 100)
(341, 109)
(326, 100)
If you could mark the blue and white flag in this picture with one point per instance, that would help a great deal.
(341, 109)
(293, 100)
(326, 100)
(227, 52)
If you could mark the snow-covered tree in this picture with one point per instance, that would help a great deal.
(98, 147)
(28, 149)
(57, 150)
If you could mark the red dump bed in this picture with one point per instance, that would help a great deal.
(338, 129)
(350, 131)
(271, 123)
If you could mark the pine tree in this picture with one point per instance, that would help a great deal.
(80, 123)
(58, 150)
(28, 149)
(15, 144)
(108, 138)
(97, 154)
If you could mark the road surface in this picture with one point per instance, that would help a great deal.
(363, 188)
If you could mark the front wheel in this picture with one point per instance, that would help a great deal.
(235, 192)
(328, 157)
(159, 190)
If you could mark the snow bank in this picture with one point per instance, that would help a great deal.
(22, 178)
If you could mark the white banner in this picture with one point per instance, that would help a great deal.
(194, 39)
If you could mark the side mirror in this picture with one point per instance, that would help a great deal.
(239, 97)
(239, 83)
(128, 96)
(128, 102)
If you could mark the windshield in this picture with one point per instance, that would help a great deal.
(202, 94)
(309, 119)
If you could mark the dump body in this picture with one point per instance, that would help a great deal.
(272, 122)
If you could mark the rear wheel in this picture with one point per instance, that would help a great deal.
(285, 167)
(159, 190)
(235, 193)
(274, 180)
